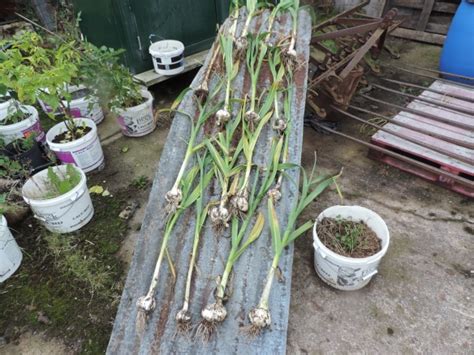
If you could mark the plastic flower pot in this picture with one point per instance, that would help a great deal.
(10, 253)
(85, 152)
(34, 159)
(83, 106)
(24, 128)
(137, 121)
(167, 56)
(345, 273)
(5, 103)
(62, 214)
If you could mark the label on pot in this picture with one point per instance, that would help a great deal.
(139, 124)
(89, 155)
(36, 128)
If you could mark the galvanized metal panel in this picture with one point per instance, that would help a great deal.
(159, 335)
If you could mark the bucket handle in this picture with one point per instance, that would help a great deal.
(368, 276)
(154, 35)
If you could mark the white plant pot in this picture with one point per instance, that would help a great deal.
(10, 253)
(85, 152)
(24, 128)
(62, 214)
(83, 107)
(167, 56)
(342, 272)
(4, 106)
(137, 121)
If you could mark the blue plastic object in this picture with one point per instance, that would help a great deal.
(458, 51)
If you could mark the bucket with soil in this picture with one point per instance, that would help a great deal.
(59, 198)
(138, 120)
(21, 124)
(349, 243)
(10, 253)
(29, 153)
(79, 144)
(83, 104)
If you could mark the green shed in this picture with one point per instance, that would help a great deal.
(130, 24)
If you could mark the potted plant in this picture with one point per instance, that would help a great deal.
(38, 70)
(10, 253)
(28, 152)
(131, 103)
(349, 243)
(11, 202)
(59, 198)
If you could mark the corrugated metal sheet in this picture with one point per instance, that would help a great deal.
(160, 336)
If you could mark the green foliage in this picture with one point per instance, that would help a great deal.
(349, 239)
(33, 69)
(64, 183)
(113, 83)
(16, 113)
(140, 182)
(10, 169)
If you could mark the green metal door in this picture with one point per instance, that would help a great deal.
(130, 24)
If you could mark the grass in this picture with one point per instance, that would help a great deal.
(75, 280)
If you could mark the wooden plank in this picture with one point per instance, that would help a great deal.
(444, 7)
(437, 28)
(425, 15)
(159, 334)
(420, 36)
(191, 62)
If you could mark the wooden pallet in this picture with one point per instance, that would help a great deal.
(423, 20)
(449, 130)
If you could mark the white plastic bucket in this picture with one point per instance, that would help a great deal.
(342, 272)
(62, 214)
(24, 128)
(137, 121)
(10, 253)
(85, 152)
(83, 107)
(4, 106)
(167, 56)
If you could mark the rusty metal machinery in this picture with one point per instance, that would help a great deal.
(339, 44)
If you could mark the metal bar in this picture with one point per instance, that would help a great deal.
(442, 72)
(434, 77)
(404, 83)
(347, 31)
(419, 112)
(409, 139)
(414, 128)
(342, 14)
(432, 169)
(424, 99)
(360, 53)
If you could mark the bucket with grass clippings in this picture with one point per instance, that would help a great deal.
(62, 214)
(345, 273)
(10, 253)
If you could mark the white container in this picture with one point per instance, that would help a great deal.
(87, 106)
(167, 56)
(4, 106)
(62, 214)
(139, 120)
(10, 253)
(342, 272)
(24, 128)
(85, 152)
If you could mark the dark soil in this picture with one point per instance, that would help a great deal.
(67, 136)
(348, 238)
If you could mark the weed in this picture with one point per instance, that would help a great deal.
(140, 182)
